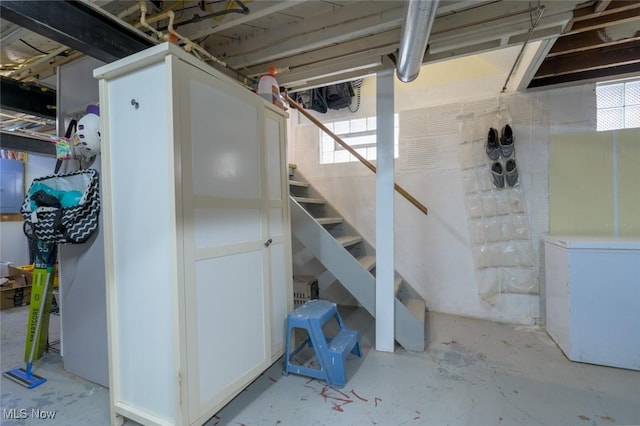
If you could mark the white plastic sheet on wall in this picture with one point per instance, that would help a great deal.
(501, 235)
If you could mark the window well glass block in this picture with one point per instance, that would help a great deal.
(359, 125)
(359, 133)
(632, 116)
(341, 127)
(371, 123)
(610, 119)
(342, 157)
(372, 154)
(610, 95)
(361, 140)
(632, 93)
(362, 152)
(327, 144)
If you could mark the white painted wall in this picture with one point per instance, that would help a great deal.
(434, 252)
(82, 269)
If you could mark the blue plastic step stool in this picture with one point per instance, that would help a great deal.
(331, 353)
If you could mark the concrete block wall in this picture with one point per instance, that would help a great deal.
(434, 252)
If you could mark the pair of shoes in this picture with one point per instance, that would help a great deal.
(508, 173)
(493, 144)
(506, 142)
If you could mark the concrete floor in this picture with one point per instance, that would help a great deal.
(473, 373)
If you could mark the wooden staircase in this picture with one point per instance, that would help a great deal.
(351, 260)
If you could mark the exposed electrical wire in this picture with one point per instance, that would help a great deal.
(202, 39)
(524, 45)
(34, 48)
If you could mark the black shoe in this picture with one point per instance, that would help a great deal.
(506, 142)
(511, 172)
(497, 175)
(493, 145)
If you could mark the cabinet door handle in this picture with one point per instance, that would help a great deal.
(268, 242)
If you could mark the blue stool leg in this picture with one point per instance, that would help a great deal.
(356, 349)
(320, 348)
(287, 349)
(336, 376)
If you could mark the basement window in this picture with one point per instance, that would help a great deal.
(618, 105)
(360, 134)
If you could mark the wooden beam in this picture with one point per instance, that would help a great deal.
(28, 98)
(591, 75)
(630, 15)
(602, 5)
(604, 57)
(584, 41)
(24, 143)
(387, 39)
(587, 13)
(258, 10)
(78, 25)
(326, 29)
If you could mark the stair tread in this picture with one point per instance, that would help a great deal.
(303, 279)
(343, 341)
(417, 308)
(367, 262)
(329, 220)
(298, 183)
(397, 282)
(348, 240)
(308, 200)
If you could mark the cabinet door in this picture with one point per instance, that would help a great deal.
(226, 285)
(280, 268)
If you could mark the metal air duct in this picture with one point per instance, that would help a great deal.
(416, 27)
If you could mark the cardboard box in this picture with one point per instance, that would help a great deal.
(20, 275)
(13, 294)
(17, 291)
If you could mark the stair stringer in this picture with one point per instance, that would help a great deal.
(410, 306)
(346, 268)
(408, 330)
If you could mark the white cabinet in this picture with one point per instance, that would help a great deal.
(197, 235)
(593, 298)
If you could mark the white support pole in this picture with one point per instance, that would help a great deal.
(384, 213)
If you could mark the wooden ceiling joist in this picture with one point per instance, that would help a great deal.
(582, 42)
(622, 70)
(603, 21)
(602, 5)
(594, 11)
(601, 40)
(604, 57)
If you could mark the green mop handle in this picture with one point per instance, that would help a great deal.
(36, 333)
(48, 260)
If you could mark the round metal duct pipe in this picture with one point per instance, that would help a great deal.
(416, 27)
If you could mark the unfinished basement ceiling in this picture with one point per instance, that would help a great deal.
(316, 42)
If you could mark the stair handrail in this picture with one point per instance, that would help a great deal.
(355, 153)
